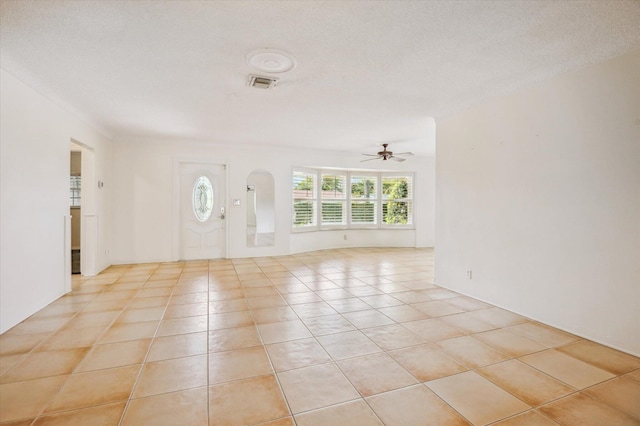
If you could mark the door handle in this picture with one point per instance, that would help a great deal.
(221, 213)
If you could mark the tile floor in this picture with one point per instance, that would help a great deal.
(336, 337)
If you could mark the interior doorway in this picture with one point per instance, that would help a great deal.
(75, 206)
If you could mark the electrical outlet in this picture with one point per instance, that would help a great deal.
(469, 273)
(345, 236)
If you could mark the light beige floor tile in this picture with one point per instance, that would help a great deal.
(348, 345)
(465, 321)
(231, 294)
(437, 308)
(313, 309)
(567, 369)
(188, 310)
(140, 315)
(266, 302)
(96, 319)
(95, 388)
(102, 415)
(8, 361)
(509, 343)
(133, 331)
(527, 383)
(367, 319)
(471, 352)
(231, 305)
(275, 314)
(296, 354)
(248, 401)
(329, 324)
(44, 364)
(528, 418)
(433, 329)
(403, 313)
(468, 394)
(238, 364)
(620, 393)
(393, 336)
(302, 297)
(113, 355)
(189, 298)
(171, 375)
(69, 338)
(44, 325)
(315, 387)
(413, 406)
(260, 291)
(498, 317)
(14, 404)
(149, 302)
(580, 409)
(283, 331)
(381, 301)
(412, 296)
(230, 320)
(377, 373)
(348, 305)
(634, 375)
(177, 346)
(233, 338)
(548, 336)
(183, 325)
(187, 407)
(427, 362)
(20, 344)
(608, 359)
(354, 413)
(467, 303)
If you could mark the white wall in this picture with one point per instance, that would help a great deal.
(34, 197)
(539, 194)
(144, 196)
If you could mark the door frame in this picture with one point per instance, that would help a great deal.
(177, 226)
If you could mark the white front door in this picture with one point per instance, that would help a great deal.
(202, 211)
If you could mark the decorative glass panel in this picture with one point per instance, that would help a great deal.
(202, 198)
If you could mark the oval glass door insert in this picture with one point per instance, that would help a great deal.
(202, 198)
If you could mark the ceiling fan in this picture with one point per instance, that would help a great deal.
(387, 155)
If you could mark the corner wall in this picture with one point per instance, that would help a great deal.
(34, 197)
(539, 195)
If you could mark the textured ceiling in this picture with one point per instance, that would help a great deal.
(367, 72)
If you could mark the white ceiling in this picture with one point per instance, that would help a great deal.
(367, 72)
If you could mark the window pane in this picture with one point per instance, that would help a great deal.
(397, 212)
(334, 213)
(334, 186)
(304, 185)
(397, 187)
(304, 213)
(363, 187)
(363, 212)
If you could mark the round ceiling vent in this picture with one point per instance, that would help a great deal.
(271, 60)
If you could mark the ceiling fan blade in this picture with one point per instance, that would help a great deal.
(394, 158)
(408, 154)
(371, 155)
(370, 159)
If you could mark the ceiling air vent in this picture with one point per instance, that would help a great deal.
(262, 82)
